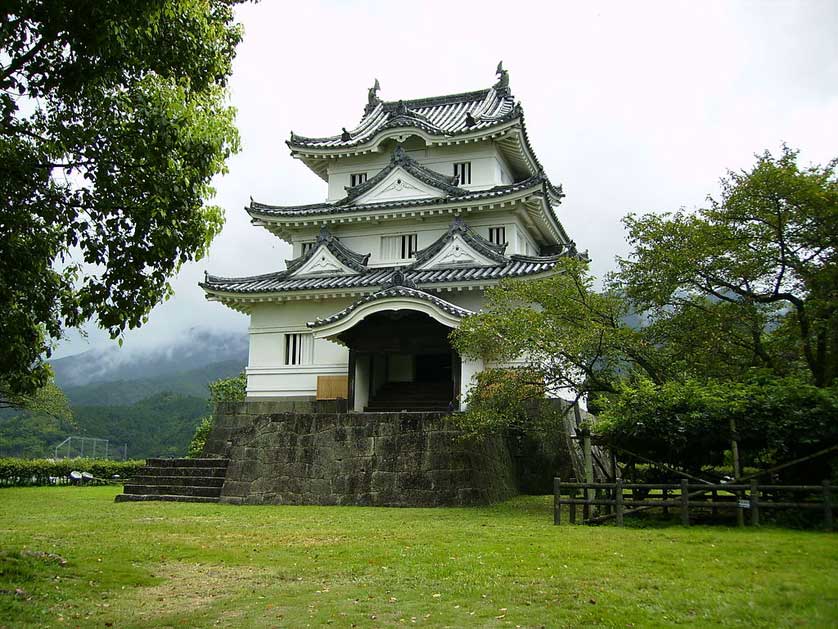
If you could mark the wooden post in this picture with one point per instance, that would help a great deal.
(618, 500)
(715, 497)
(665, 497)
(685, 502)
(737, 471)
(557, 497)
(754, 497)
(827, 505)
(587, 455)
(572, 505)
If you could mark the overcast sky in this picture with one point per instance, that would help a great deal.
(632, 107)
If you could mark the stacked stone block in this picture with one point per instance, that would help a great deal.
(181, 480)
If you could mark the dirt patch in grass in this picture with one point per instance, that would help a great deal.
(190, 587)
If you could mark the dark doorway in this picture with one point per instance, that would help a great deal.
(406, 363)
(432, 367)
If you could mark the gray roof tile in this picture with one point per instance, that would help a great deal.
(438, 115)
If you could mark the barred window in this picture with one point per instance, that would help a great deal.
(357, 179)
(401, 247)
(497, 235)
(305, 247)
(298, 349)
(462, 171)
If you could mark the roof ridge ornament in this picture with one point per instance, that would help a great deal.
(502, 86)
(345, 136)
(399, 279)
(399, 155)
(372, 98)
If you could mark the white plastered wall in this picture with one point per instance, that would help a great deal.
(267, 373)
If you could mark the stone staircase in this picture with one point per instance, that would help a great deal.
(178, 480)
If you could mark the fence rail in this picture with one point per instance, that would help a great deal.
(684, 497)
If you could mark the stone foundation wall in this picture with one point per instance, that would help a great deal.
(281, 456)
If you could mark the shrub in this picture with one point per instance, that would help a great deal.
(57, 471)
(196, 446)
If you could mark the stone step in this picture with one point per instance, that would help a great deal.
(425, 402)
(185, 472)
(183, 463)
(398, 408)
(172, 490)
(177, 481)
(169, 498)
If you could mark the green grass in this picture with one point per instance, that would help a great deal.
(169, 564)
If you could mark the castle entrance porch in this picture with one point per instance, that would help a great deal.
(400, 358)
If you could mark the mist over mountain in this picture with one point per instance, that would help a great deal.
(195, 350)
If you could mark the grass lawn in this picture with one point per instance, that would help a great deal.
(170, 564)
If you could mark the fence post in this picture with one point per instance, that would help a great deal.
(827, 505)
(618, 500)
(714, 511)
(685, 502)
(754, 498)
(572, 505)
(665, 497)
(557, 500)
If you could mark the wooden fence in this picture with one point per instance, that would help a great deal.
(614, 503)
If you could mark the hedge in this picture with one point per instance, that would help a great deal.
(19, 472)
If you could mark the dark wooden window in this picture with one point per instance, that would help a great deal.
(497, 235)
(356, 179)
(399, 247)
(306, 247)
(462, 171)
(297, 348)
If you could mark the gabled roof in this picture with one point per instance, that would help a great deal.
(282, 282)
(439, 115)
(353, 260)
(264, 210)
(474, 240)
(402, 160)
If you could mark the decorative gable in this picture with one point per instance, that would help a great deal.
(460, 246)
(457, 252)
(399, 185)
(323, 262)
(327, 257)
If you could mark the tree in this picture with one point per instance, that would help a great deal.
(761, 262)
(223, 390)
(113, 120)
(738, 318)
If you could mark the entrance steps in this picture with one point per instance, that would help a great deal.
(411, 396)
(179, 480)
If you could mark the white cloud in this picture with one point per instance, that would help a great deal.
(631, 106)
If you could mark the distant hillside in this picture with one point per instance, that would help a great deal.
(121, 392)
(160, 425)
(199, 348)
(150, 399)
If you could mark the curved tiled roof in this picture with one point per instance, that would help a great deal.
(263, 209)
(516, 266)
(438, 115)
(355, 261)
(393, 291)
